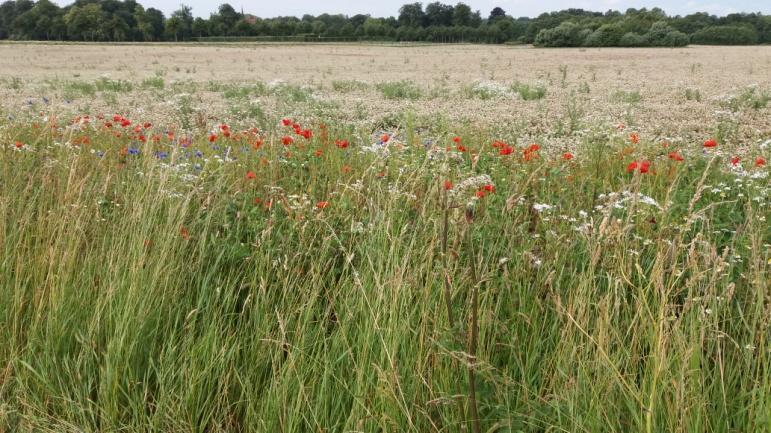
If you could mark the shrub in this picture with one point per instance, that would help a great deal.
(608, 35)
(725, 35)
(633, 40)
(567, 34)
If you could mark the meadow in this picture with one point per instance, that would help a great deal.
(384, 238)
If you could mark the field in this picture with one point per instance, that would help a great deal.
(384, 238)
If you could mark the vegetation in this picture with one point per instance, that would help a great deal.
(112, 20)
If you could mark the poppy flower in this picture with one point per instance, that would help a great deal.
(507, 150)
(19, 144)
(385, 137)
(760, 162)
(342, 144)
(212, 137)
(456, 140)
(735, 160)
(286, 122)
(641, 166)
(147, 125)
(346, 169)
(676, 156)
(286, 140)
(257, 143)
(322, 204)
(567, 156)
(226, 133)
(634, 138)
(184, 233)
(461, 148)
(307, 133)
(489, 188)
(498, 144)
(481, 193)
(447, 185)
(710, 143)
(251, 175)
(318, 153)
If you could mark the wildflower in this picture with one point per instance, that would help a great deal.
(251, 175)
(489, 188)
(385, 137)
(481, 193)
(641, 166)
(507, 150)
(735, 160)
(287, 140)
(676, 156)
(447, 185)
(460, 148)
(567, 156)
(760, 162)
(286, 122)
(322, 204)
(307, 133)
(147, 125)
(19, 144)
(456, 140)
(184, 233)
(710, 143)
(318, 153)
(342, 144)
(212, 137)
(634, 138)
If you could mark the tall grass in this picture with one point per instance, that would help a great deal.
(147, 294)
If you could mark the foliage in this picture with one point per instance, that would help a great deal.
(110, 20)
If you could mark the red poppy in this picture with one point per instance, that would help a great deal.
(481, 193)
(226, 133)
(322, 204)
(567, 156)
(634, 138)
(461, 148)
(760, 162)
(251, 175)
(212, 137)
(498, 144)
(447, 185)
(346, 169)
(735, 160)
(385, 137)
(676, 156)
(710, 143)
(257, 143)
(19, 144)
(507, 150)
(342, 144)
(641, 166)
(489, 188)
(456, 140)
(286, 140)
(318, 153)
(286, 122)
(184, 233)
(147, 125)
(307, 133)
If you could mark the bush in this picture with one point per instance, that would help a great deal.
(662, 35)
(633, 40)
(567, 34)
(725, 35)
(608, 35)
(403, 89)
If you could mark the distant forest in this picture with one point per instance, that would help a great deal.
(119, 21)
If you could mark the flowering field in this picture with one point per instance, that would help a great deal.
(570, 247)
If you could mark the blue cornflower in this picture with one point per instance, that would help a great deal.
(133, 151)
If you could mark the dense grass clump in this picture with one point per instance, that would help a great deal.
(322, 277)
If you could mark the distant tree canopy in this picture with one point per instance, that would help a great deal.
(127, 20)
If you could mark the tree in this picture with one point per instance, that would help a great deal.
(461, 15)
(726, 35)
(567, 34)
(439, 14)
(182, 24)
(411, 15)
(84, 22)
(496, 13)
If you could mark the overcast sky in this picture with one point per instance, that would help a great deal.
(517, 8)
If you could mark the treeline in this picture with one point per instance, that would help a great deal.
(117, 21)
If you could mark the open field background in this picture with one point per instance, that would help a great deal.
(376, 238)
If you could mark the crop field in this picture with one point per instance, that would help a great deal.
(384, 238)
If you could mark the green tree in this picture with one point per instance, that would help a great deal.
(411, 15)
(84, 22)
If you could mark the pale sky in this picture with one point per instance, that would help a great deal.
(516, 8)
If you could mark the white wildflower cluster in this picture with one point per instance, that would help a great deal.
(469, 184)
(542, 207)
(490, 88)
(615, 200)
(436, 154)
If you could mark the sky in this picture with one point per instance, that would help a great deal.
(516, 8)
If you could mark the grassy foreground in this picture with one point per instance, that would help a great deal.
(356, 281)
